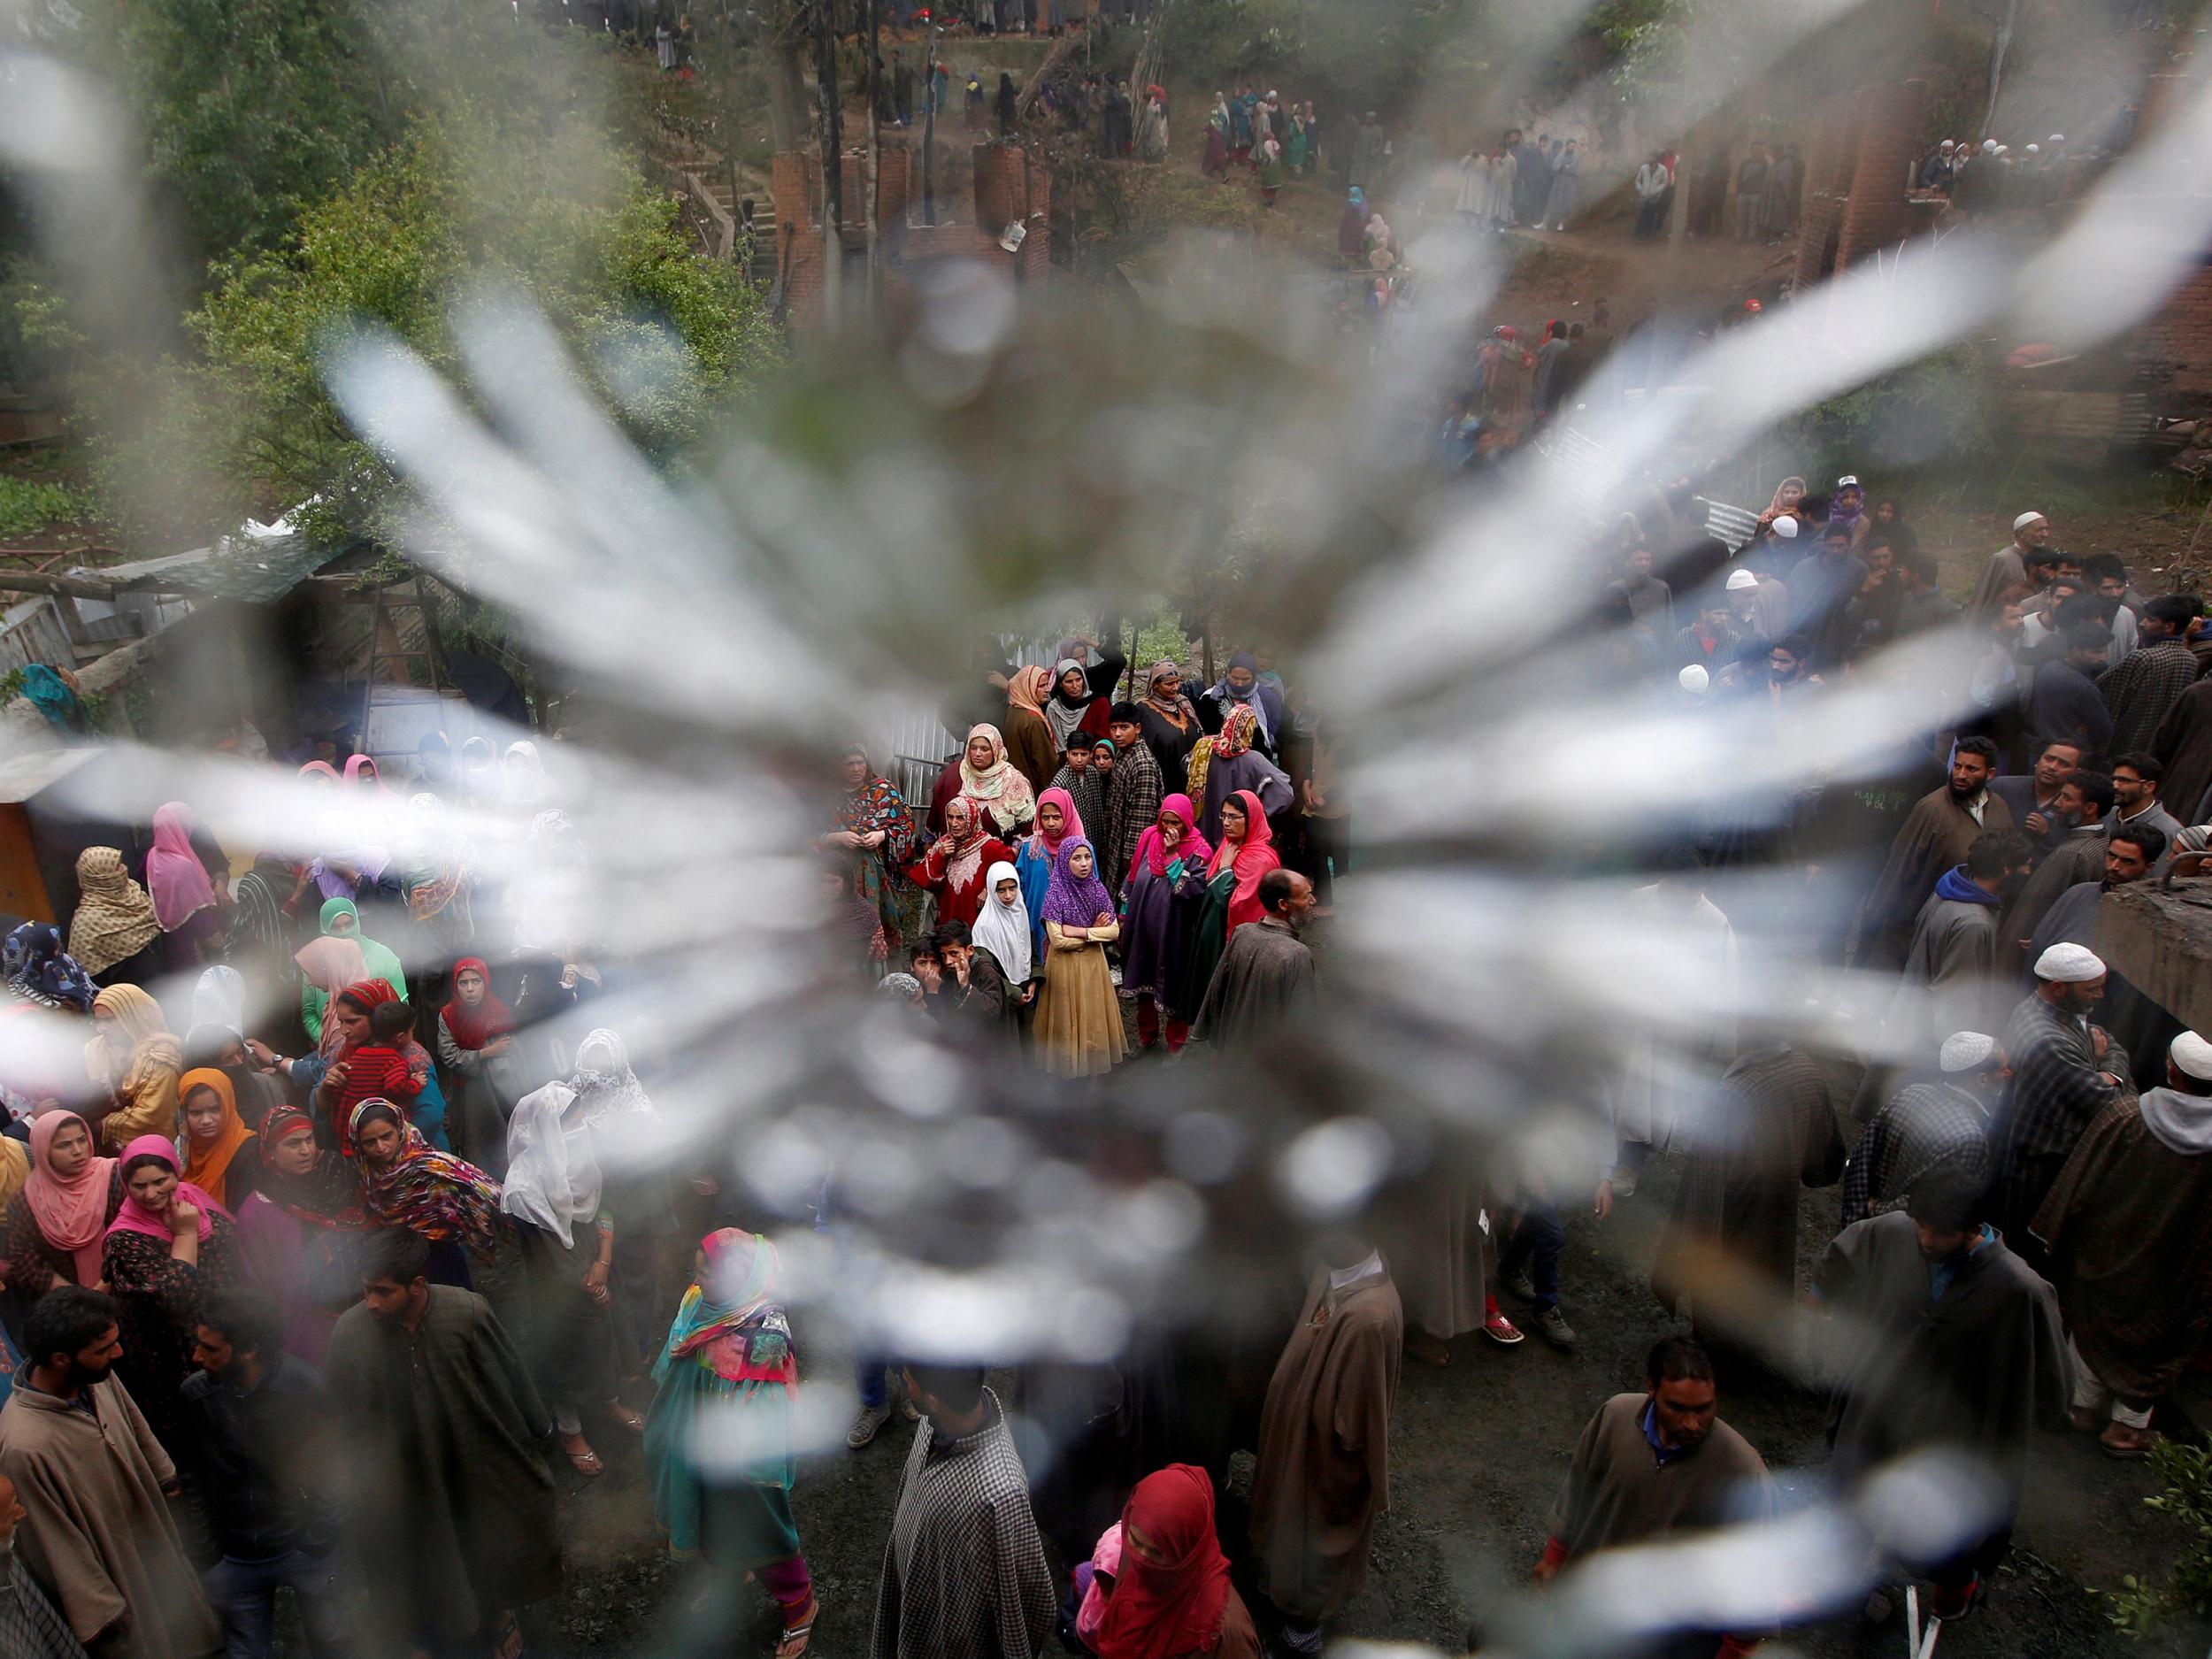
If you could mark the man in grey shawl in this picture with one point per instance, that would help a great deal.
(1265, 978)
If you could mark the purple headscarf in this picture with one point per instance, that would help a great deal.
(1074, 901)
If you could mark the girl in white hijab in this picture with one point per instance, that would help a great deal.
(1001, 927)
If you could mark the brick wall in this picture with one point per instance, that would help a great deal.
(1874, 215)
(2181, 331)
(1816, 230)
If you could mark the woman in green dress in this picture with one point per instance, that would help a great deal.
(341, 919)
(728, 1378)
(1295, 151)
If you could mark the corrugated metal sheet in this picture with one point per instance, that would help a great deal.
(33, 632)
(1732, 525)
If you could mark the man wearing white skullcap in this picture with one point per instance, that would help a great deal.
(1758, 605)
(2007, 565)
(2064, 1072)
(2129, 1228)
(1693, 679)
(1935, 1126)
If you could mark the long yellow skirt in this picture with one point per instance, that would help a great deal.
(1078, 1030)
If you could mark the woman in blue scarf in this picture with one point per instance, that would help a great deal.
(728, 1377)
(1240, 684)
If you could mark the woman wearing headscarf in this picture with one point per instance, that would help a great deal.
(475, 1043)
(874, 829)
(728, 1375)
(213, 1137)
(437, 876)
(634, 1159)
(1003, 929)
(1074, 706)
(342, 920)
(54, 1232)
(479, 771)
(1847, 511)
(169, 1248)
(414, 1085)
(1227, 762)
(187, 902)
(569, 1336)
(135, 1062)
(219, 998)
(523, 787)
(1167, 1595)
(362, 779)
(982, 772)
(327, 965)
(1351, 227)
(1170, 722)
(1216, 162)
(1244, 854)
(39, 972)
(953, 868)
(114, 934)
(300, 1231)
(1030, 742)
(405, 1182)
(1165, 889)
(1057, 820)
(1079, 1028)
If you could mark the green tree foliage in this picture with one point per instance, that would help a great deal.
(670, 334)
(252, 109)
(2141, 1606)
(1943, 408)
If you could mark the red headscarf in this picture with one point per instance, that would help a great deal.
(1070, 820)
(1256, 855)
(1175, 1606)
(1191, 849)
(473, 1027)
(370, 993)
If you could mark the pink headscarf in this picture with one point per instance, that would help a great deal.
(319, 771)
(355, 783)
(1191, 849)
(174, 874)
(1070, 820)
(70, 1215)
(135, 1217)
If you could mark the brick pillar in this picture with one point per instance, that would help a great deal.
(790, 182)
(1815, 240)
(1036, 255)
(852, 170)
(998, 187)
(794, 182)
(893, 181)
(1888, 141)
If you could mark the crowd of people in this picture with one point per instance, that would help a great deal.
(248, 1356)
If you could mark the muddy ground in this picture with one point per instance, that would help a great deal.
(1479, 1450)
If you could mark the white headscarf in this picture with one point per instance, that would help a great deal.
(219, 998)
(553, 1177)
(604, 1077)
(1063, 717)
(1001, 929)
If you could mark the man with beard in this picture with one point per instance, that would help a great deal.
(1938, 1125)
(1822, 588)
(1933, 838)
(2008, 566)
(1942, 1339)
(2136, 776)
(2033, 794)
(2129, 1227)
(1265, 979)
(1658, 1464)
(1950, 982)
(2129, 853)
(2144, 685)
(447, 1490)
(94, 1484)
(2083, 801)
(2063, 1074)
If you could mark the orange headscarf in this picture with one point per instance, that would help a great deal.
(1029, 688)
(209, 1164)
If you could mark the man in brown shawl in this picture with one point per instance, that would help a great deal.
(1934, 837)
(1324, 1469)
(91, 1477)
(2008, 566)
(1941, 1340)
(2083, 801)
(448, 1497)
(1731, 1244)
(2129, 1226)
(1657, 1465)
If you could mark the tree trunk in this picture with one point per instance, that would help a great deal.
(875, 114)
(832, 164)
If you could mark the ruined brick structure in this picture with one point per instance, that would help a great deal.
(1009, 184)
(1857, 168)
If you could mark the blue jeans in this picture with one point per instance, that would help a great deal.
(1540, 1234)
(243, 1592)
(869, 1373)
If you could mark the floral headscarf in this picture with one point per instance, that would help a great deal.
(999, 786)
(115, 919)
(729, 1323)
(425, 1190)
